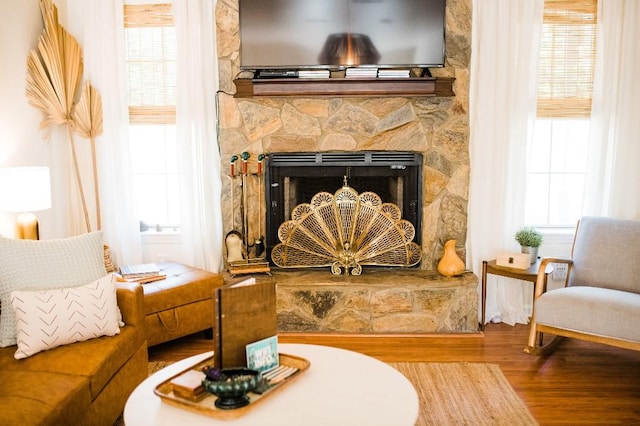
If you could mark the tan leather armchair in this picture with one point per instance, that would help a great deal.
(600, 301)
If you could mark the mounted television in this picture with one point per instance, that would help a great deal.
(337, 34)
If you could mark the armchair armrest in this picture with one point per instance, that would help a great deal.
(131, 303)
(540, 281)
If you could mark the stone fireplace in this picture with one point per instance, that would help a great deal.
(436, 129)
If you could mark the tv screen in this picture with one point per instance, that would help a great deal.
(335, 34)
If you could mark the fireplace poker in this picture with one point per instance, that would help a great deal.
(232, 176)
(259, 242)
(244, 202)
(233, 239)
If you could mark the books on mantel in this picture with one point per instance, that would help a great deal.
(361, 73)
(142, 273)
(313, 74)
(393, 73)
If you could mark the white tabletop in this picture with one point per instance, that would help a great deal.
(340, 387)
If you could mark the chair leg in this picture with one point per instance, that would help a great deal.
(536, 346)
(533, 335)
(546, 348)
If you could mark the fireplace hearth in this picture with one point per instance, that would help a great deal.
(294, 178)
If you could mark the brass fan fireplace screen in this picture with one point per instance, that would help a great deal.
(346, 231)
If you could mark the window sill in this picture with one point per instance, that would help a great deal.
(558, 235)
(160, 237)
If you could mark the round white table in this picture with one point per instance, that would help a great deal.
(340, 387)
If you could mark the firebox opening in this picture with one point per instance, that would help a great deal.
(294, 178)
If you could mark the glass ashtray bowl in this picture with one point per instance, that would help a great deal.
(231, 385)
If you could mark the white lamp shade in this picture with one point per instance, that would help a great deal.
(24, 189)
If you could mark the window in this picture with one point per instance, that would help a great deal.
(150, 43)
(557, 155)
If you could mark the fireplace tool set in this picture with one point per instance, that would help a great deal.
(242, 256)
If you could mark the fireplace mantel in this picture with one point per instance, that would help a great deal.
(423, 86)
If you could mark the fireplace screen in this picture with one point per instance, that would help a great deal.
(346, 231)
(294, 178)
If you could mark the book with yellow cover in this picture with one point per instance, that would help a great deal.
(245, 312)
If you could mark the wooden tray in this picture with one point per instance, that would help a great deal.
(206, 405)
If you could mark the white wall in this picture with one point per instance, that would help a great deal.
(21, 143)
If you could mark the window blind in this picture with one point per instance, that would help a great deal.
(567, 58)
(150, 43)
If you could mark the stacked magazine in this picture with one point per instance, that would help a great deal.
(361, 73)
(392, 73)
(313, 74)
(143, 273)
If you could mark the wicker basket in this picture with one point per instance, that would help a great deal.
(108, 262)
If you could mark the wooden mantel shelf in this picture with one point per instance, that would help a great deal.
(423, 86)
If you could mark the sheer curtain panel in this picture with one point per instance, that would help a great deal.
(502, 110)
(98, 27)
(613, 175)
(196, 131)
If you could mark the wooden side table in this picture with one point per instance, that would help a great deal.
(531, 275)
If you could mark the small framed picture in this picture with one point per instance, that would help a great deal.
(263, 354)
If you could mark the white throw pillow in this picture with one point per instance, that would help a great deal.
(50, 318)
(43, 265)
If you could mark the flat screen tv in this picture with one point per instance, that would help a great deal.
(336, 34)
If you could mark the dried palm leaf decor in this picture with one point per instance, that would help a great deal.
(87, 117)
(54, 73)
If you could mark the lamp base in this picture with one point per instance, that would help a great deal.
(27, 227)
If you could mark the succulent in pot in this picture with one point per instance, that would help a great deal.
(529, 239)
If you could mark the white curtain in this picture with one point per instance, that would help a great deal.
(502, 111)
(196, 129)
(98, 27)
(613, 174)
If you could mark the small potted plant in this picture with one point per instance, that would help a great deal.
(529, 239)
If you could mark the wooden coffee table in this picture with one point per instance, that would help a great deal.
(340, 387)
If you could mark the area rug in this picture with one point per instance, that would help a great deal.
(464, 394)
(152, 367)
(456, 393)
(157, 366)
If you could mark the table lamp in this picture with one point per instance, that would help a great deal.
(25, 190)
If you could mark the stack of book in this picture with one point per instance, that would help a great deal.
(390, 73)
(313, 74)
(143, 273)
(361, 73)
(188, 385)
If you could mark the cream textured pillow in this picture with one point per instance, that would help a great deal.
(44, 265)
(50, 318)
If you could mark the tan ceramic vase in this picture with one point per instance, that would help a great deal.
(450, 265)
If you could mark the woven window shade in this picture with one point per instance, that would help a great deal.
(147, 15)
(567, 58)
(151, 63)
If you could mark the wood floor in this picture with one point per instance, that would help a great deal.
(580, 383)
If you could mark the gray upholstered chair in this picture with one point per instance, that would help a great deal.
(600, 301)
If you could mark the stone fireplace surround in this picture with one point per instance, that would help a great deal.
(436, 127)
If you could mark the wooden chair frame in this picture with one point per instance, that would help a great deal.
(535, 344)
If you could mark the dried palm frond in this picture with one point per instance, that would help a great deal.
(87, 116)
(54, 73)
